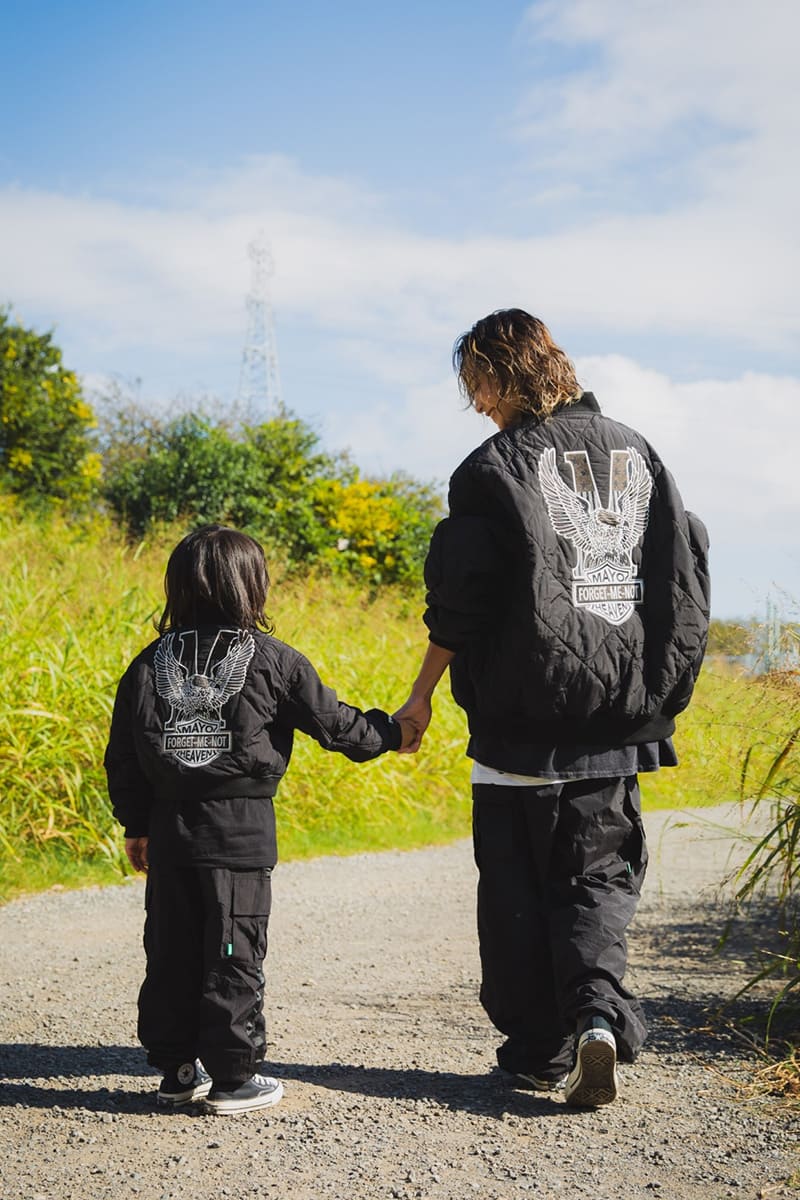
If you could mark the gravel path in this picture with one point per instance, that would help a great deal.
(386, 1056)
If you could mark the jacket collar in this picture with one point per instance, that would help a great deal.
(585, 406)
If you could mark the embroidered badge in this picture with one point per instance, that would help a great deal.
(604, 537)
(186, 1073)
(196, 733)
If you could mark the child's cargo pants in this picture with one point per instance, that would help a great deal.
(205, 938)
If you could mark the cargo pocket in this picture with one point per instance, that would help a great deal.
(636, 844)
(251, 900)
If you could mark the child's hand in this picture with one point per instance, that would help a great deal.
(411, 735)
(136, 850)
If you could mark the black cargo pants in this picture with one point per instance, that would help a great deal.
(205, 938)
(561, 868)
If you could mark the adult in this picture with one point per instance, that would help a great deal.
(568, 595)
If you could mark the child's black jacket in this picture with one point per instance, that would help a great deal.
(202, 734)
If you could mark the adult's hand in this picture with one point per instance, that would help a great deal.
(417, 708)
(415, 715)
(136, 850)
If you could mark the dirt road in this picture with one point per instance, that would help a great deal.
(384, 1051)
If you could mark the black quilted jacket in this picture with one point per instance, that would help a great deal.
(573, 586)
(202, 733)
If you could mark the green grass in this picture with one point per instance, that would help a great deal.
(56, 866)
(727, 740)
(79, 602)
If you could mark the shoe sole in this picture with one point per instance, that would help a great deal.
(597, 1082)
(532, 1083)
(221, 1107)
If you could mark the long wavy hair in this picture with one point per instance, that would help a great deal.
(516, 352)
(216, 576)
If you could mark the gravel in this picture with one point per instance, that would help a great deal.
(386, 1056)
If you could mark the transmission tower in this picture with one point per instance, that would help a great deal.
(259, 395)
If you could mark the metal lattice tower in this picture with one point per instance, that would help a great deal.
(259, 395)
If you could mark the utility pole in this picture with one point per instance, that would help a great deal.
(259, 396)
(773, 655)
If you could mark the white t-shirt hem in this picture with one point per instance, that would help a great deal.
(482, 774)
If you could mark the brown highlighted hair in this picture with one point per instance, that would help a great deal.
(216, 576)
(516, 352)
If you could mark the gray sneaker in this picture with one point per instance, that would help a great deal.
(260, 1091)
(535, 1084)
(593, 1079)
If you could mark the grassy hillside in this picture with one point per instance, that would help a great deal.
(78, 603)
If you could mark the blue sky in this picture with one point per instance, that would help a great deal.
(625, 170)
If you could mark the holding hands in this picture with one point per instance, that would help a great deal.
(415, 715)
(414, 718)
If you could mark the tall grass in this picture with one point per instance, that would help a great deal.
(772, 870)
(78, 603)
(727, 741)
(74, 603)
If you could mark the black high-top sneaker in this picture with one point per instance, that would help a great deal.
(184, 1083)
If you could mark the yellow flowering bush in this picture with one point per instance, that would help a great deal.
(379, 529)
(45, 447)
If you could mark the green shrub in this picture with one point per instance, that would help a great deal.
(188, 468)
(46, 451)
(308, 507)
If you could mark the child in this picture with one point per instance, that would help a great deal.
(200, 737)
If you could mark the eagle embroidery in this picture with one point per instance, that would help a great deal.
(604, 537)
(196, 733)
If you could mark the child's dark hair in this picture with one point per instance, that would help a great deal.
(216, 576)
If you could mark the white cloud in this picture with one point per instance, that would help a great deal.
(692, 65)
(423, 430)
(696, 98)
(128, 275)
(679, 123)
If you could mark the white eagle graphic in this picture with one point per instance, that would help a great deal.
(604, 537)
(195, 732)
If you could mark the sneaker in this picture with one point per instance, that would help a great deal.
(541, 1085)
(593, 1079)
(183, 1084)
(259, 1092)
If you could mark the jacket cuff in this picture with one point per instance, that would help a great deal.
(395, 734)
(445, 645)
(135, 832)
